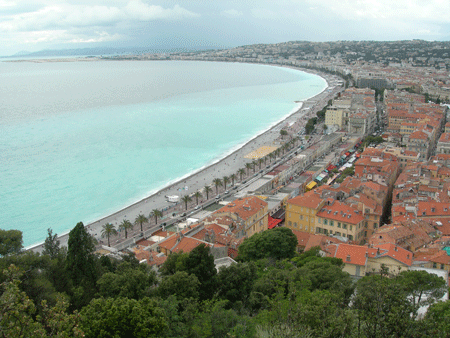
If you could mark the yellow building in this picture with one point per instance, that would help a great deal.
(301, 212)
(336, 116)
(361, 260)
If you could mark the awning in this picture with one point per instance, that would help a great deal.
(331, 167)
(311, 185)
(273, 222)
(347, 154)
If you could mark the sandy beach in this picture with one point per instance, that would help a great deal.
(198, 180)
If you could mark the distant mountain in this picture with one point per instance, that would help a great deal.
(102, 51)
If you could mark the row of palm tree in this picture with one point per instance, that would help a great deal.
(109, 230)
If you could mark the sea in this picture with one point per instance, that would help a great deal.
(81, 140)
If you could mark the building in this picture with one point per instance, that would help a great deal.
(339, 219)
(250, 215)
(301, 212)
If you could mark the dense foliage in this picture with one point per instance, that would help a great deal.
(271, 292)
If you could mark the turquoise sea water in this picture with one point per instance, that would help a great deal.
(80, 140)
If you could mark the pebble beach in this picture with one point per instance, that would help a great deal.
(199, 179)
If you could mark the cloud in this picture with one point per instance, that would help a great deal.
(402, 10)
(231, 13)
(65, 15)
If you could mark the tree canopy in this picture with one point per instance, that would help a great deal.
(278, 243)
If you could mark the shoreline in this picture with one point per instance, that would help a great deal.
(196, 180)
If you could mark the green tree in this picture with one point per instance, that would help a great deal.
(254, 163)
(10, 242)
(197, 195)
(125, 226)
(175, 262)
(283, 133)
(420, 284)
(236, 282)
(207, 190)
(225, 181)
(123, 317)
(51, 245)
(248, 166)
(18, 313)
(241, 173)
(437, 320)
(156, 213)
(217, 183)
(217, 321)
(383, 308)
(141, 219)
(17, 310)
(80, 260)
(186, 199)
(181, 284)
(200, 262)
(278, 243)
(233, 178)
(108, 230)
(127, 281)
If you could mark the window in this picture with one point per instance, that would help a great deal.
(301, 227)
(301, 216)
(325, 222)
(306, 228)
(295, 224)
(290, 223)
(351, 227)
(331, 223)
(442, 266)
(434, 265)
(344, 226)
(350, 237)
(339, 224)
(319, 220)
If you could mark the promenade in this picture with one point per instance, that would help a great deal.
(197, 181)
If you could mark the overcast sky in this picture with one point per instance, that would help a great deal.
(56, 24)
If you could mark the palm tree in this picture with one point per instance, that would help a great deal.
(248, 166)
(207, 191)
(254, 163)
(197, 195)
(156, 213)
(241, 172)
(225, 180)
(140, 219)
(233, 178)
(125, 225)
(107, 230)
(217, 183)
(186, 199)
(260, 161)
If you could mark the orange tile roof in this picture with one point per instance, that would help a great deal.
(350, 254)
(440, 257)
(309, 200)
(396, 252)
(340, 212)
(245, 207)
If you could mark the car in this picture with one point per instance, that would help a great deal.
(226, 192)
(183, 214)
(197, 207)
(217, 197)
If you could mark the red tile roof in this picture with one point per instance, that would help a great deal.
(309, 200)
(340, 212)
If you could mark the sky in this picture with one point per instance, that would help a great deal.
(34, 25)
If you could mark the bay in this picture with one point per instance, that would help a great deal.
(80, 140)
